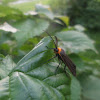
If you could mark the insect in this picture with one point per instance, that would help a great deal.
(62, 57)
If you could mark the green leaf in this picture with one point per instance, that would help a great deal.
(4, 89)
(6, 65)
(75, 41)
(24, 87)
(29, 28)
(91, 87)
(45, 10)
(36, 56)
(75, 89)
(32, 79)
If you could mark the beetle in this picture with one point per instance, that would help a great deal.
(62, 57)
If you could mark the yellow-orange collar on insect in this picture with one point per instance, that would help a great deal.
(59, 50)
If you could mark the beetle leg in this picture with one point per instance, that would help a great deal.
(57, 67)
(66, 71)
(50, 59)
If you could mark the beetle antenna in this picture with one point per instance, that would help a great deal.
(52, 40)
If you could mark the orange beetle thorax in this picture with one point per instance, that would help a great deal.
(59, 50)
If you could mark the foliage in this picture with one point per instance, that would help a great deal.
(75, 89)
(75, 41)
(32, 77)
(5, 2)
(44, 10)
(6, 66)
(29, 28)
(7, 13)
(27, 6)
(86, 12)
(61, 6)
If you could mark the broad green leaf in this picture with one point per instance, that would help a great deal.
(36, 57)
(92, 60)
(91, 87)
(23, 87)
(75, 89)
(32, 79)
(4, 89)
(29, 28)
(45, 10)
(82, 67)
(75, 41)
(6, 65)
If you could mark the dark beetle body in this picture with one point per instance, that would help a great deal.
(60, 53)
(66, 60)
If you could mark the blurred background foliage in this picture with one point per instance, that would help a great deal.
(76, 23)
